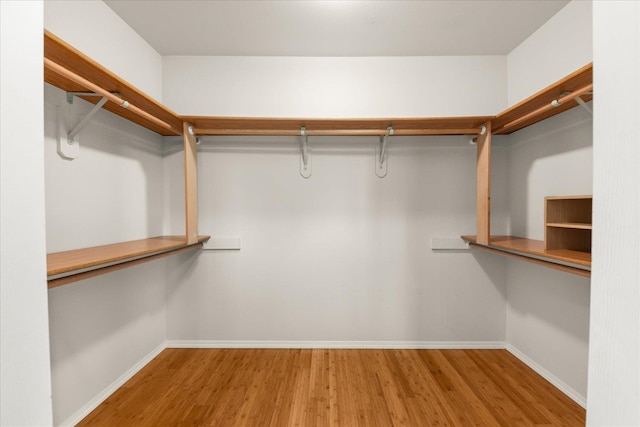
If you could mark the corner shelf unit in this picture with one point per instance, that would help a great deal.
(72, 71)
(567, 244)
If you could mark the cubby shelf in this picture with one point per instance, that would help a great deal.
(70, 266)
(575, 262)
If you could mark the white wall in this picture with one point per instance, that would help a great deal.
(561, 46)
(116, 181)
(112, 192)
(548, 311)
(25, 387)
(342, 256)
(335, 87)
(97, 31)
(101, 328)
(614, 368)
(344, 247)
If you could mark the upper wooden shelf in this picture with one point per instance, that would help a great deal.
(69, 266)
(75, 61)
(61, 53)
(571, 83)
(533, 250)
(291, 126)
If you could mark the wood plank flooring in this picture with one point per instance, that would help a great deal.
(247, 387)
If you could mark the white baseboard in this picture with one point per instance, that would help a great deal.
(434, 345)
(557, 382)
(104, 394)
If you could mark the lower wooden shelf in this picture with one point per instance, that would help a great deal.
(71, 266)
(575, 262)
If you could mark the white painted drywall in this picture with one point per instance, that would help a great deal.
(548, 311)
(25, 385)
(614, 360)
(98, 32)
(102, 327)
(343, 255)
(335, 87)
(561, 46)
(112, 192)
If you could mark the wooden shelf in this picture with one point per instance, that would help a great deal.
(574, 225)
(575, 262)
(572, 82)
(70, 266)
(291, 126)
(567, 222)
(75, 61)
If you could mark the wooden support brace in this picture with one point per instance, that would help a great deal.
(190, 184)
(483, 186)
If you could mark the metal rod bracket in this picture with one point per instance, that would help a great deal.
(305, 157)
(381, 155)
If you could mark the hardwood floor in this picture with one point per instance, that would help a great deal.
(210, 387)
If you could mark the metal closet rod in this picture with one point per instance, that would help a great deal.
(336, 132)
(555, 103)
(57, 68)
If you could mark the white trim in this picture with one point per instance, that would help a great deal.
(435, 345)
(104, 394)
(555, 381)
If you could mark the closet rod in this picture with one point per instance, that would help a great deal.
(555, 103)
(97, 89)
(336, 132)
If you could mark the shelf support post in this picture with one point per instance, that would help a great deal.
(483, 185)
(190, 183)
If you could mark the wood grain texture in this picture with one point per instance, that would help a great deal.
(190, 185)
(483, 185)
(78, 259)
(75, 61)
(525, 249)
(54, 283)
(291, 126)
(248, 387)
(568, 223)
(571, 83)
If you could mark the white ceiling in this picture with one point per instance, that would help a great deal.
(335, 28)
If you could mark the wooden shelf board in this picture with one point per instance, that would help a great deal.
(575, 225)
(75, 61)
(584, 197)
(291, 126)
(572, 82)
(533, 250)
(61, 263)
